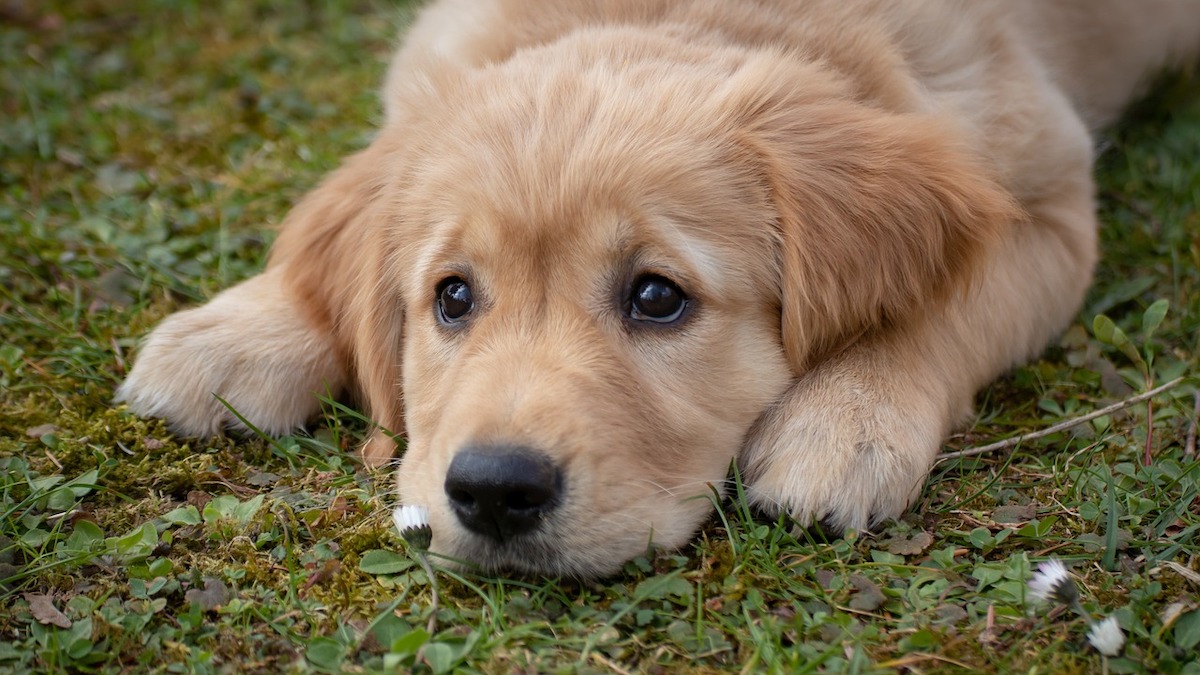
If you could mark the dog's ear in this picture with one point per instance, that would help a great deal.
(880, 214)
(332, 249)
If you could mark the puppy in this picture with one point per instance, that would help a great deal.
(601, 249)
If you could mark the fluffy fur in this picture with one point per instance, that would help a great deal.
(874, 208)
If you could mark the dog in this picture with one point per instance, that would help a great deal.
(600, 250)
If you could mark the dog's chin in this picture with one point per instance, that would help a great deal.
(530, 556)
(527, 556)
(580, 553)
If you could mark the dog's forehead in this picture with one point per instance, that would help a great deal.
(594, 239)
(543, 145)
(566, 175)
(585, 250)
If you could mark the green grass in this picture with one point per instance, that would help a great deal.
(145, 148)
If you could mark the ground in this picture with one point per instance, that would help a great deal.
(145, 149)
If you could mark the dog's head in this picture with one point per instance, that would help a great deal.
(588, 270)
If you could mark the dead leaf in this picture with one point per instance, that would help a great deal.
(869, 597)
(214, 595)
(323, 575)
(69, 157)
(1173, 611)
(338, 509)
(825, 578)
(82, 513)
(1182, 571)
(913, 545)
(43, 609)
(262, 478)
(198, 499)
(152, 444)
(784, 612)
(41, 430)
(951, 614)
(1014, 513)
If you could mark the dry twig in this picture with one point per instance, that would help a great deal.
(1073, 422)
(1189, 447)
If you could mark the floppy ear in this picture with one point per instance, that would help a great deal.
(880, 214)
(332, 249)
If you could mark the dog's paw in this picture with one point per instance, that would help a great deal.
(248, 346)
(849, 445)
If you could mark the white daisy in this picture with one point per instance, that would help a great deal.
(1107, 636)
(412, 522)
(1053, 582)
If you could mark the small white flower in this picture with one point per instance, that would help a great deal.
(1053, 582)
(410, 515)
(412, 521)
(1107, 636)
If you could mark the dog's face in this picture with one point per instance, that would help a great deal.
(587, 278)
(578, 378)
(591, 325)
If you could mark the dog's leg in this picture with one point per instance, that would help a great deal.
(853, 440)
(271, 345)
(252, 346)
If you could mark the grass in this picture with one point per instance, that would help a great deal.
(146, 146)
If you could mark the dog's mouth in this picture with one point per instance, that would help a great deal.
(508, 509)
(533, 556)
(569, 543)
(505, 503)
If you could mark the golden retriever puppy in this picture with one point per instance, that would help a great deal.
(601, 249)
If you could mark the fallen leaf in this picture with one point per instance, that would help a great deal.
(324, 574)
(950, 614)
(338, 509)
(1014, 513)
(214, 595)
(1173, 611)
(114, 179)
(69, 157)
(910, 545)
(198, 499)
(1175, 567)
(784, 612)
(825, 578)
(113, 288)
(43, 609)
(41, 430)
(262, 478)
(81, 514)
(869, 597)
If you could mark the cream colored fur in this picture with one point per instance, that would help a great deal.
(874, 206)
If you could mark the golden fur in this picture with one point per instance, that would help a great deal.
(874, 208)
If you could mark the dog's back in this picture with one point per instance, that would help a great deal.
(1101, 52)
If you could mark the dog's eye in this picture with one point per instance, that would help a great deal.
(454, 300)
(656, 299)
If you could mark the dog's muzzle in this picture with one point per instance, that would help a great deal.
(503, 491)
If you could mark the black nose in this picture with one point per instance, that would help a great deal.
(502, 491)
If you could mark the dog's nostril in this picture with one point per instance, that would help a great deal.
(531, 499)
(461, 497)
(502, 491)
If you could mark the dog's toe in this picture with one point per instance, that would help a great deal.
(839, 451)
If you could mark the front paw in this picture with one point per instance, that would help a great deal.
(850, 445)
(249, 346)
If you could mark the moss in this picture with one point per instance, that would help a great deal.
(148, 151)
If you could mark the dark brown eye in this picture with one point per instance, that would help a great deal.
(656, 299)
(454, 300)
